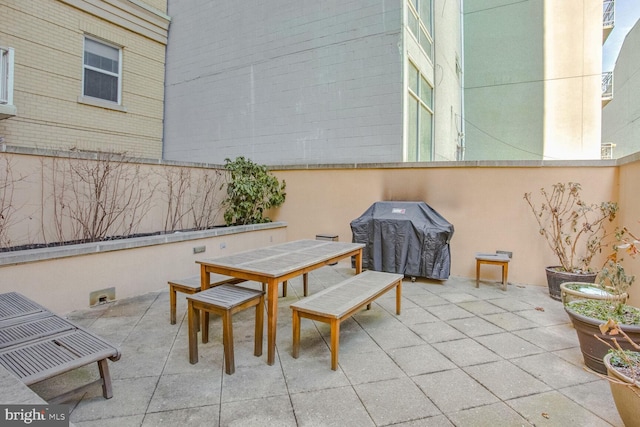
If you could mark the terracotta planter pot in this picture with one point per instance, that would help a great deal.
(555, 278)
(593, 351)
(588, 291)
(626, 397)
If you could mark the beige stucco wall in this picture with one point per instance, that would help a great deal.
(485, 205)
(65, 284)
(572, 79)
(629, 176)
(47, 36)
(484, 202)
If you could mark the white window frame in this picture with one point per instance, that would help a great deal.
(413, 97)
(423, 28)
(6, 75)
(99, 70)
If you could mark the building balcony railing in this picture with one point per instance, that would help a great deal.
(7, 109)
(608, 18)
(607, 87)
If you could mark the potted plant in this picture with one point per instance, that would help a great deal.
(612, 279)
(574, 230)
(587, 314)
(623, 370)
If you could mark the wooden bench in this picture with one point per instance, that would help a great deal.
(224, 300)
(493, 259)
(36, 344)
(191, 285)
(341, 301)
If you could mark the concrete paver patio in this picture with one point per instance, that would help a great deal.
(457, 355)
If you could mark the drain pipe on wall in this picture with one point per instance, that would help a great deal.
(461, 131)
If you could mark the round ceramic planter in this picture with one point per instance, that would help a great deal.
(587, 291)
(627, 399)
(593, 351)
(555, 278)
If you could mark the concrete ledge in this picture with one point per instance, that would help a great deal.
(42, 254)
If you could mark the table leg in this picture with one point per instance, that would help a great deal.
(205, 280)
(359, 262)
(193, 333)
(272, 319)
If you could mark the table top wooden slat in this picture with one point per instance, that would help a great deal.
(279, 260)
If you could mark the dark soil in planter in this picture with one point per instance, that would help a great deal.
(105, 239)
(593, 350)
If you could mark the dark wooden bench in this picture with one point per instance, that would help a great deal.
(339, 302)
(36, 344)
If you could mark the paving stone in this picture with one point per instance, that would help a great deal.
(595, 396)
(506, 380)
(497, 414)
(474, 326)
(420, 359)
(481, 307)
(268, 412)
(437, 332)
(508, 345)
(332, 407)
(550, 338)
(369, 367)
(454, 390)
(448, 312)
(554, 409)
(176, 391)
(394, 401)
(508, 321)
(201, 416)
(553, 370)
(466, 352)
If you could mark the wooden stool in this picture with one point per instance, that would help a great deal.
(493, 259)
(191, 285)
(224, 300)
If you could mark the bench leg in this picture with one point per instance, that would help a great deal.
(335, 343)
(296, 334)
(477, 273)
(227, 342)
(257, 348)
(284, 289)
(398, 297)
(172, 304)
(193, 334)
(103, 367)
(305, 283)
(505, 271)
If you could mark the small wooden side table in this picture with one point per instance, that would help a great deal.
(493, 259)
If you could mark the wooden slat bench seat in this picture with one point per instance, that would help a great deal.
(341, 301)
(224, 300)
(37, 344)
(191, 285)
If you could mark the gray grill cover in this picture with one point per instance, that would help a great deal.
(404, 237)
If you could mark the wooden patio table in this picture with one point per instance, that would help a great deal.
(275, 264)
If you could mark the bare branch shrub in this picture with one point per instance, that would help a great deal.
(206, 198)
(7, 204)
(177, 182)
(94, 199)
(191, 197)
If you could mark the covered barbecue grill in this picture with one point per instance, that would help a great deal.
(404, 237)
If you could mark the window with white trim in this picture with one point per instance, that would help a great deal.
(102, 70)
(420, 24)
(6, 75)
(420, 117)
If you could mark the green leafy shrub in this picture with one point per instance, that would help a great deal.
(251, 190)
